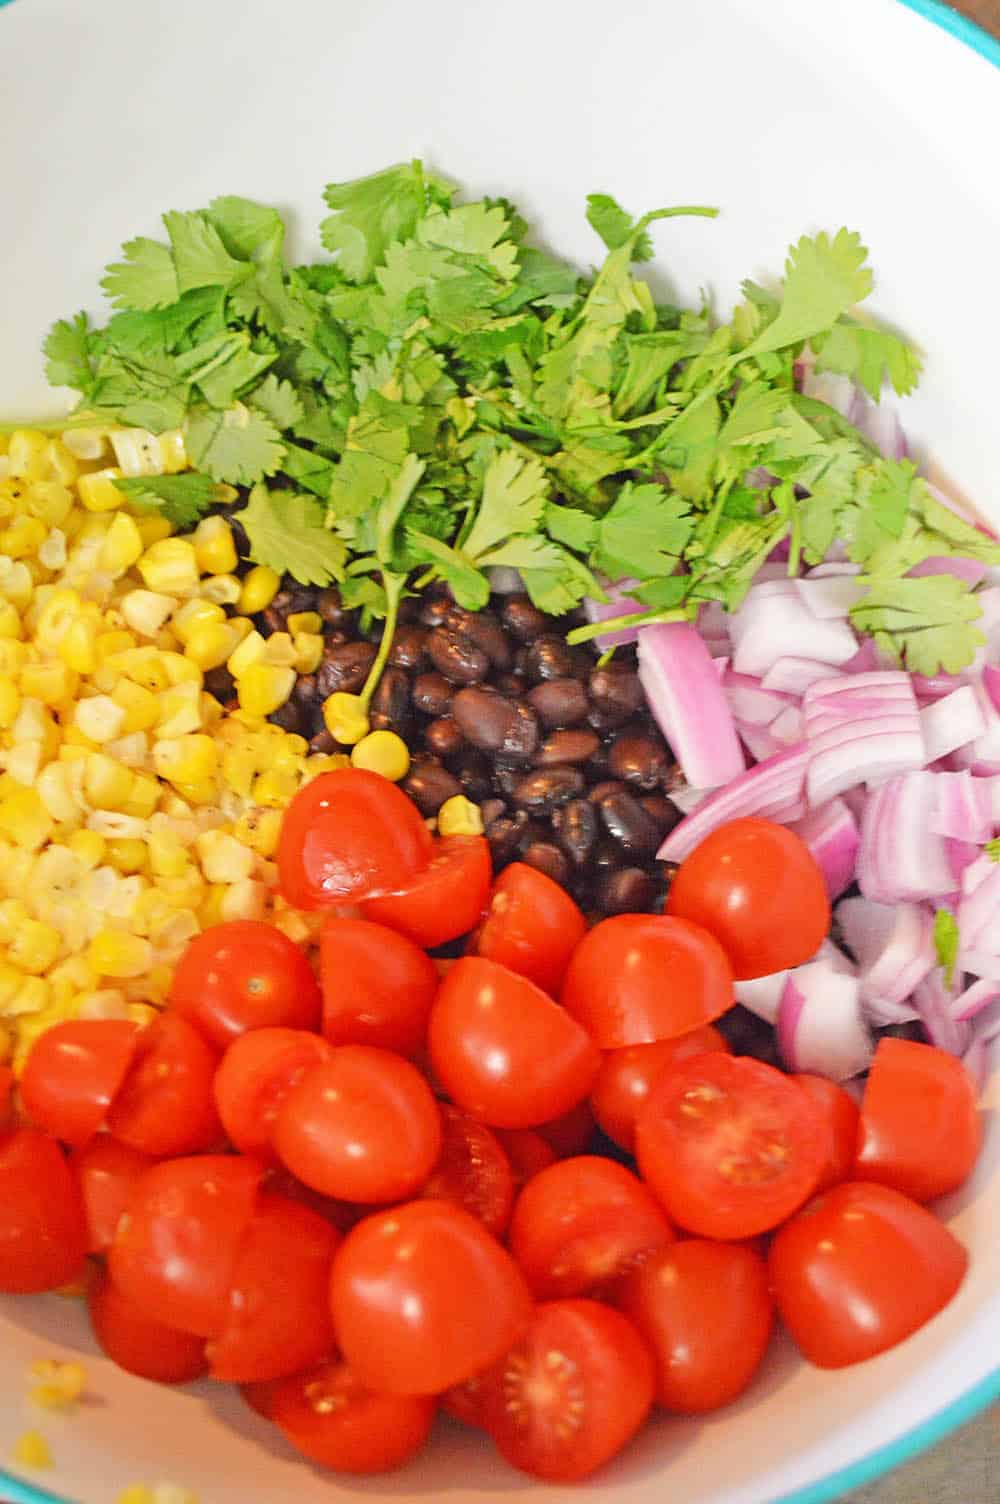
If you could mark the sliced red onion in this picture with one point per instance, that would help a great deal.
(688, 703)
(687, 798)
(961, 855)
(936, 687)
(979, 910)
(713, 624)
(972, 571)
(749, 702)
(838, 392)
(952, 722)
(982, 754)
(991, 684)
(980, 963)
(617, 604)
(934, 1002)
(866, 660)
(760, 741)
(772, 616)
(772, 789)
(963, 809)
(831, 567)
(789, 727)
(830, 597)
(970, 1003)
(820, 1025)
(761, 995)
(901, 859)
(880, 423)
(793, 676)
(860, 727)
(831, 833)
(894, 947)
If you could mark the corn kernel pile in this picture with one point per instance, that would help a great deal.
(134, 811)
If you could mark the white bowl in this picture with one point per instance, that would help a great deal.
(792, 116)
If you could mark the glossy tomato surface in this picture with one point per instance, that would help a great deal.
(627, 1076)
(920, 1129)
(137, 1342)
(244, 975)
(329, 1415)
(105, 1172)
(378, 986)
(43, 1228)
(254, 1077)
(532, 926)
(840, 1119)
(166, 1106)
(73, 1074)
(445, 899)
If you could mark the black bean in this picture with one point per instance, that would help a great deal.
(306, 691)
(456, 656)
(548, 657)
(548, 788)
(409, 648)
(639, 759)
(662, 812)
(627, 891)
(409, 611)
(323, 742)
(601, 790)
(487, 633)
(294, 597)
(608, 855)
(272, 620)
(547, 858)
(606, 717)
(627, 822)
(492, 809)
(391, 700)
(333, 611)
(219, 682)
(566, 747)
(507, 728)
(510, 685)
(429, 785)
(749, 1035)
(522, 619)
(577, 826)
(504, 835)
(444, 737)
(435, 609)
(287, 716)
(505, 778)
(345, 668)
(616, 686)
(559, 702)
(475, 775)
(432, 693)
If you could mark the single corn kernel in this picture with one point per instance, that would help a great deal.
(10, 701)
(211, 710)
(180, 710)
(114, 644)
(63, 606)
(35, 947)
(102, 1003)
(52, 553)
(181, 670)
(98, 492)
(260, 586)
(86, 443)
(308, 652)
(52, 683)
(251, 650)
(244, 900)
(264, 687)
(458, 816)
(78, 647)
(88, 847)
(51, 501)
(167, 855)
(186, 759)
(100, 719)
(33, 998)
(305, 621)
(323, 762)
(143, 796)
(170, 567)
(382, 752)
(26, 454)
(214, 546)
(122, 545)
(194, 613)
(127, 856)
(56, 1386)
(279, 650)
(16, 582)
(221, 589)
(112, 953)
(25, 820)
(141, 706)
(13, 915)
(345, 718)
(32, 1450)
(259, 829)
(154, 528)
(106, 784)
(137, 451)
(56, 792)
(10, 621)
(24, 762)
(223, 859)
(274, 788)
(61, 462)
(211, 643)
(23, 538)
(145, 611)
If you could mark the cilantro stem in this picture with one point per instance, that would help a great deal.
(619, 623)
(57, 425)
(392, 584)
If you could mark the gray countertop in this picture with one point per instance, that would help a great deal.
(962, 1469)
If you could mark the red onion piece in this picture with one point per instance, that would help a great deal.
(831, 833)
(749, 702)
(860, 727)
(759, 741)
(894, 947)
(934, 1002)
(974, 999)
(772, 616)
(991, 684)
(979, 909)
(970, 570)
(688, 702)
(963, 808)
(952, 722)
(830, 597)
(820, 1025)
(980, 963)
(788, 727)
(793, 676)
(901, 859)
(772, 789)
(617, 604)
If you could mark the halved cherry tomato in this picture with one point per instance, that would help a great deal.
(43, 1230)
(378, 986)
(730, 1146)
(175, 1249)
(706, 1313)
(279, 1302)
(350, 835)
(165, 1106)
(581, 1224)
(503, 1050)
(527, 1153)
(840, 1116)
(331, 1417)
(758, 889)
(422, 1296)
(571, 1132)
(627, 1076)
(640, 977)
(364, 1127)
(73, 1073)
(256, 1074)
(244, 975)
(859, 1269)
(920, 1130)
(473, 1170)
(105, 1172)
(446, 899)
(137, 1342)
(571, 1393)
(531, 926)
(6, 1097)
(260, 1397)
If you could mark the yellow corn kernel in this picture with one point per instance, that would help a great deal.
(26, 454)
(211, 643)
(323, 762)
(345, 717)
(32, 1001)
(32, 1450)
(141, 706)
(13, 915)
(52, 553)
(181, 670)
(24, 762)
(98, 492)
(56, 793)
(167, 854)
(102, 1003)
(56, 1386)
(106, 783)
(35, 947)
(113, 644)
(274, 788)
(100, 719)
(112, 953)
(143, 796)
(214, 546)
(170, 567)
(122, 545)
(305, 621)
(25, 820)
(10, 701)
(78, 648)
(186, 759)
(259, 829)
(23, 538)
(260, 586)
(239, 767)
(51, 501)
(137, 451)
(279, 650)
(10, 621)
(264, 687)
(223, 858)
(154, 528)
(13, 655)
(146, 666)
(128, 855)
(180, 710)
(192, 614)
(88, 847)
(61, 462)
(63, 606)
(308, 652)
(198, 792)
(211, 710)
(53, 683)
(145, 611)
(382, 752)
(16, 583)
(250, 651)
(222, 589)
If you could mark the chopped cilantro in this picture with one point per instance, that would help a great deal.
(946, 942)
(286, 531)
(181, 498)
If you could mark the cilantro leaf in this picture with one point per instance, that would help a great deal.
(67, 348)
(239, 446)
(146, 278)
(615, 226)
(515, 489)
(468, 584)
(199, 254)
(181, 498)
(371, 213)
(643, 533)
(248, 231)
(279, 401)
(824, 278)
(992, 849)
(925, 622)
(286, 531)
(868, 355)
(946, 943)
(571, 527)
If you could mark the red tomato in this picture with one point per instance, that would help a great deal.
(105, 1172)
(503, 1050)
(527, 1152)
(279, 1303)
(422, 1296)
(571, 1132)
(640, 977)
(256, 1074)
(582, 1223)
(165, 1106)
(532, 926)
(351, 835)
(467, 1401)
(378, 986)
(840, 1117)
(364, 1127)
(920, 1130)
(628, 1076)
(73, 1074)
(244, 975)
(730, 1146)
(331, 1417)
(260, 1397)
(473, 1170)
(705, 1311)
(43, 1230)
(139, 1343)
(443, 901)
(758, 889)
(859, 1269)
(175, 1250)
(572, 1392)
(6, 1097)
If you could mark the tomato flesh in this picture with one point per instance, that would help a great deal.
(920, 1130)
(445, 899)
(331, 1418)
(473, 1170)
(255, 1076)
(43, 1228)
(73, 1074)
(137, 1342)
(244, 975)
(378, 986)
(165, 1105)
(532, 926)
(627, 1076)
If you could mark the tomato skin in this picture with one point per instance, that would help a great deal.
(175, 1249)
(43, 1230)
(840, 1116)
(532, 926)
(73, 1073)
(627, 1076)
(758, 889)
(349, 834)
(444, 900)
(706, 1313)
(920, 1130)
(364, 1127)
(244, 975)
(503, 1050)
(571, 1132)
(859, 1269)
(105, 1172)
(378, 986)
(527, 1152)
(331, 1417)
(636, 978)
(583, 1223)
(255, 1076)
(729, 1146)
(137, 1342)
(279, 1310)
(165, 1106)
(422, 1296)
(6, 1097)
(473, 1170)
(563, 1420)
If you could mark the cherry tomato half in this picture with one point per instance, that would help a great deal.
(105, 1172)
(444, 900)
(329, 1415)
(73, 1074)
(758, 889)
(730, 1146)
(256, 1074)
(351, 835)
(244, 975)
(859, 1269)
(527, 1152)
(840, 1117)
(473, 1170)
(378, 986)
(43, 1230)
(627, 1076)
(920, 1130)
(165, 1106)
(532, 926)
(137, 1342)
(569, 1133)
(640, 977)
